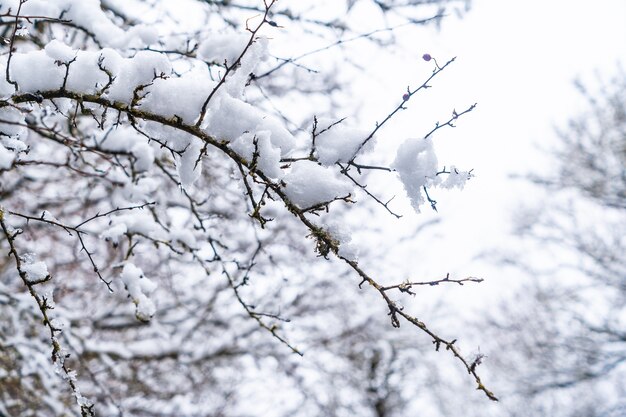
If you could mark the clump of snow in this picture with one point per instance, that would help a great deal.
(179, 96)
(139, 287)
(335, 142)
(233, 117)
(35, 271)
(144, 156)
(127, 139)
(456, 178)
(188, 170)
(6, 158)
(259, 146)
(113, 233)
(183, 236)
(220, 47)
(138, 222)
(13, 143)
(40, 70)
(280, 136)
(416, 164)
(148, 34)
(12, 128)
(35, 71)
(342, 233)
(87, 14)
(142, 190)
(309, 184)
(46, 215)
(131, 73)
(6, 89)
(84, 75)
(236, 82)
(10, 132)
(46, 69)
(60, 52)
(22, 32)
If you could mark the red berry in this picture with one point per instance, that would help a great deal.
(427, 57)
(406, 96)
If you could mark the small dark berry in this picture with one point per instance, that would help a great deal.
(427, 57)
(406, 96)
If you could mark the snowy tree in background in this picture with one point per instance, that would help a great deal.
(560, 348)
(164, 219)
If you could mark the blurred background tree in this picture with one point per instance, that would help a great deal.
(558, 345)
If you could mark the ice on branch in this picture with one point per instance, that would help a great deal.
(139, 287)
(335, 142)
(309, 184)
